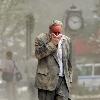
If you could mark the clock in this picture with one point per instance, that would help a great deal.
(74, 22)
(74, 19)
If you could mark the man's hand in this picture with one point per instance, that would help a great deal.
(55, 39)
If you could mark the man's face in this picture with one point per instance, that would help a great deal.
(56, 29)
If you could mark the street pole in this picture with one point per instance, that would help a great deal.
(29, 31)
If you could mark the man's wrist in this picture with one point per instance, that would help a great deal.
(51, 44)
(54, 43)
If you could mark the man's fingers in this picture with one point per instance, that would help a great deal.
(53, 35)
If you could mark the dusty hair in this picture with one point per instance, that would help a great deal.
(9, 54)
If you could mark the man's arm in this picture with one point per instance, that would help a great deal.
(43, 50)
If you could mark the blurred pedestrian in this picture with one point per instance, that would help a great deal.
(8, 70)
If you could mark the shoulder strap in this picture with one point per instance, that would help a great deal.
(15, 65)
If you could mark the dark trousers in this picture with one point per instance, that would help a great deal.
(60, 93)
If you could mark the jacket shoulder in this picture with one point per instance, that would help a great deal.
(41, 36)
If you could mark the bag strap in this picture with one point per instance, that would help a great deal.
(15, 66)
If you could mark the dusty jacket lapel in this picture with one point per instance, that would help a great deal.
(55, 56)
(63, 53)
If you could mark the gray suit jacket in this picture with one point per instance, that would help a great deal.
(48, 68)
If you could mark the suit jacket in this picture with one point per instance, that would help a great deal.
(48, 68)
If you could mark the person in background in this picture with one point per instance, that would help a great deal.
(8, 66)
(54, 71)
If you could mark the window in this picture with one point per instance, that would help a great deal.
(85, 71)
(97, 70)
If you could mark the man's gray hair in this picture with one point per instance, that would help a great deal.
(57, 22)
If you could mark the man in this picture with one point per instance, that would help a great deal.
(54, 70)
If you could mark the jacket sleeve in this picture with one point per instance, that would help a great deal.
(70, 62)
(42, 49)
